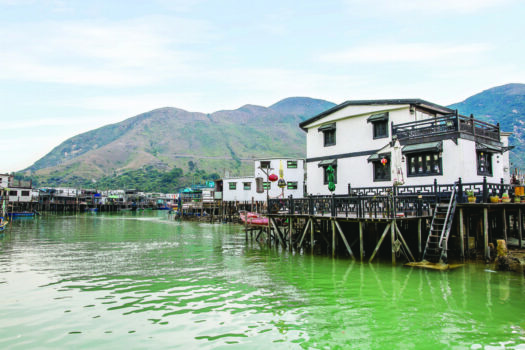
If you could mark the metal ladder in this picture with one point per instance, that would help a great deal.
(437, 241)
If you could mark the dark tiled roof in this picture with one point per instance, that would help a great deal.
(405, 101)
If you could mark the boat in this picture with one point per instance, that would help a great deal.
(3, 223)
(253, 219)
(21, 214)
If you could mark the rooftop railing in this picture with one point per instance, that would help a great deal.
(447, 124)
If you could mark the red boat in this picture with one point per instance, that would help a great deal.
(253, 219)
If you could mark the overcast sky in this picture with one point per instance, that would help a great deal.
(67, 67)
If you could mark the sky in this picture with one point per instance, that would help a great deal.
(67, 67)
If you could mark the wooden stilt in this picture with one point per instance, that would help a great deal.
(392, 240)
(361, 243)
(333, 238)
(461, 235)
(419, 247)
(290, 232)
(404, 242)
(520, 228)
(312, 236)
(380, 241)
(278, 233)
(505, 224)
(486, 233)
(344, 239)
(308, 223)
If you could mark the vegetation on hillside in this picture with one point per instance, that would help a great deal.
(504, 105)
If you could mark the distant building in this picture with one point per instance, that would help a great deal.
(254, 187)
(408, 141)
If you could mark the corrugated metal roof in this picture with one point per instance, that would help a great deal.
(379, 117)
(421, 147)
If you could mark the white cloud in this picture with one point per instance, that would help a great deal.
(410, 52)
(426, 6)
(126, 53)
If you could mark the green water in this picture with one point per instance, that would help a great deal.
(141, 281)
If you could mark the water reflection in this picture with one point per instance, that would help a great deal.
(144, 281)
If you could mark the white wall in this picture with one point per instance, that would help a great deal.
(289, 174)
(355, 134)
(19, 197)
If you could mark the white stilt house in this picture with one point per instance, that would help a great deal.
(406, 141)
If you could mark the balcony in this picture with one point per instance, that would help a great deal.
(447, 125)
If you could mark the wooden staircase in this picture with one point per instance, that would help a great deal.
(437, 241)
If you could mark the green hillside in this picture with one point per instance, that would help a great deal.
(200, 145)
(504, 105)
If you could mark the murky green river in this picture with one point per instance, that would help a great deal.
(141, 281)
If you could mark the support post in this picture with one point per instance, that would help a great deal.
(312, 236)
(404, 242)
(419, 248)
(333, 238)
(308, 223)
(380, 241)
(486, 233)
(344, 239)
(505, 225)
(392, 240)
(461, 235)
(361, 243)
(290, 231)
(520, 228)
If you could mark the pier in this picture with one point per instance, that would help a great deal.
(431, 222)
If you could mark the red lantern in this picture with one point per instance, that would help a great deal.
(384, 161)
(273, 177)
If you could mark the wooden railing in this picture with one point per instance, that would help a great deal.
(450, 123)
(387, 202)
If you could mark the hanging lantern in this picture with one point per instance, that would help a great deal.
(273, 177)
(384, 161)
(281, 183)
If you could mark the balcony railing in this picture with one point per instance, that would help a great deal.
(386, 202)
(447, 124)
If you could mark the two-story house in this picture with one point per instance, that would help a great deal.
(404, 141)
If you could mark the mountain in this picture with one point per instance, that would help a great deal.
(170, 137)
(504, 105)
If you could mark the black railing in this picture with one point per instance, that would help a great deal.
(387, 202)
(447, 124)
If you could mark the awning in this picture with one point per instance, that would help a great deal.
(424, 147)
(380, 117)
(488, 148)
(376, 157)
(327, 162)
(327, 127)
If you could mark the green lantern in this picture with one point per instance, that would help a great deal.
(331, 179)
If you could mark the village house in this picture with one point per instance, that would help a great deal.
(255, 187)
(371, 143)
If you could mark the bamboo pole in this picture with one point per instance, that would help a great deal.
(344, 239)
(380, 241)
